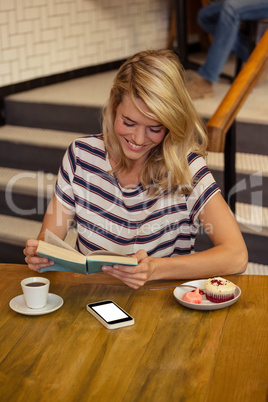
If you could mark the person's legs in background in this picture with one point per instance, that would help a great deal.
(222, 20)
(208, 17)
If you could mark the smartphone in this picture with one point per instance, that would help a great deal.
(110, 314)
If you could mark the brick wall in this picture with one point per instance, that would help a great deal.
(45, 37)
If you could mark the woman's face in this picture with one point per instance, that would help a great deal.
(136, 133)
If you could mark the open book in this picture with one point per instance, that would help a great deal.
(67, 258)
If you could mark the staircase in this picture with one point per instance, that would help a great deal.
(40, 124)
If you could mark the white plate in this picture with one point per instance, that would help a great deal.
(54, 302)
(205, 304)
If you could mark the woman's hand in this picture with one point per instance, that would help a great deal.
(133, 276)
(32, 258)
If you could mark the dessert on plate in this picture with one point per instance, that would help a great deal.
(219, 290)
(193, 297)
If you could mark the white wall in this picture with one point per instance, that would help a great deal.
(45, 37)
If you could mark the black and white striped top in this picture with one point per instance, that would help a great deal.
(122, 220)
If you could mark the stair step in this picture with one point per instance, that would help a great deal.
(44, 138)
(37, 136)
(25, 193)
(16, 231)
(27, 182)
(33, 149)
(245, 163)
(74, 105)
(252, 219)
(72, 118)
(91, 90)
(256, 269)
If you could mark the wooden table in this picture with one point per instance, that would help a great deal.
(171, 353)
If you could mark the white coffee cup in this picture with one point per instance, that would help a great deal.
(35, 291)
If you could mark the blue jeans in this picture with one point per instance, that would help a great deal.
(222, 20)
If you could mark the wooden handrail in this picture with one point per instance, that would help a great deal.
(229, 107)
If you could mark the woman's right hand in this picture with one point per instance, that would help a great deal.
(33, 260)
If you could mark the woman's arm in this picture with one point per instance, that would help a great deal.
(228, 256)
(58, 220)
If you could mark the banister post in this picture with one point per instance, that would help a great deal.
(181, 25)
(229, 171)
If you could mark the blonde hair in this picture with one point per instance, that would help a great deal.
(157, 78)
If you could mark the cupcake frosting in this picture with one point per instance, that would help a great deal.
(220, 285)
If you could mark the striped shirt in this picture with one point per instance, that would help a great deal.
(122, 220)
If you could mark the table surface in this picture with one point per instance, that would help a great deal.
(171, 353)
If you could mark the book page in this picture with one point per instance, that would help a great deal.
(52, 251)
(51, 238)
(112, 259)
(105, 252)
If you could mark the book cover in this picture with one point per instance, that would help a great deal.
(70, 260)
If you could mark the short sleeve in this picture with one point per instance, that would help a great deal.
(64, 189)
(204, 186)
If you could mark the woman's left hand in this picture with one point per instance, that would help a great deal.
(133, 276)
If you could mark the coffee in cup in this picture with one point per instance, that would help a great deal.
(35, 291)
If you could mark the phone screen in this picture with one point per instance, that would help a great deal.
(110, 312)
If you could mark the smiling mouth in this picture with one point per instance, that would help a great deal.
(134, 146)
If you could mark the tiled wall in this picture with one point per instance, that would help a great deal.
(45, 37)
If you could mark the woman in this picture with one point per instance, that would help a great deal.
(142, 187)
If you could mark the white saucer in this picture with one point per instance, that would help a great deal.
(205, 304)
(54, 302)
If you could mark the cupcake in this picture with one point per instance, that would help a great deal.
(219, 290)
